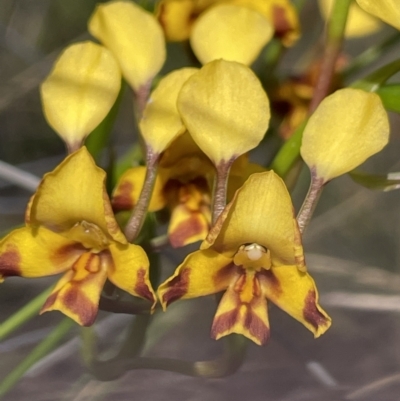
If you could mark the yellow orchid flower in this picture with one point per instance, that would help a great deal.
(386, 10)
(80, 91)
(71, 228)
(178, 17)
(347, 128)
(253, 252)
(183, 184)
(134, 36)
(225, 110)
(359, 22)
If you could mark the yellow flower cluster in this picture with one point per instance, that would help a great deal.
(198, 123)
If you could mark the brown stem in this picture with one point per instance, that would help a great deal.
(220, 188)
(138, 215)
(310, 202)
(334, 40)
(141, 97)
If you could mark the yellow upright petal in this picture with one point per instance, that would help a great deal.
(80, 91)
(230, 32)
(295, 292)
(29, 252)
(129, 187)
(78, 292)
(348, 127)
(225, 109)
(72, 193)
(161, 122)
(359, 23)
(201, 273)
(387, 10)
(134, 36)
(129, 271)
(262, 213)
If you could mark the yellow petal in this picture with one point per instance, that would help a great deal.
(135, 38)
(348, 127)
(282, 15)
(295, 293)
(130, 271)
(78, 292)
(201, 273)
(190, 214)
(80, 91)
(176, 18)
(387, 10)
(230, 32)
(129, 187)
(225, 109)
(161, 122)
(262, 213)
(359, 23)
(72, 193)
(29, 252)
(183, 159)
(243, 310)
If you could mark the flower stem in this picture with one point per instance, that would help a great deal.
(24, 314)
(38, 353)
(220, 188)
(137, 218)
(310, 202)
(226, 364)
(333, 44)
(141, 98)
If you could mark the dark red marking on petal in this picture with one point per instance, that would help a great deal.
(225, 274)
(123, 201)
(268, 276)
(178, 287)
(224, 322)
(9, 262)
(66, 252)
(75, 301)
(187, 229)
(141, 288)
(311, 313)
(256, 326)
(280, 21)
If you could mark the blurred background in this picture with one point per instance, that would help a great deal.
(352, 249)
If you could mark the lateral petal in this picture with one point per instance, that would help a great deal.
(295, 293)
(29, 252)
(225, 110)
(74, 192)
(80, 91)
(348, 127)
(129, 270)
(201, 273)
(230, 32)
(78, 292)
(134, 36)
(161, 122)
(387, 10)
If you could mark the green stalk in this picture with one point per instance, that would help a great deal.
(41, 350)
(24, 314)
